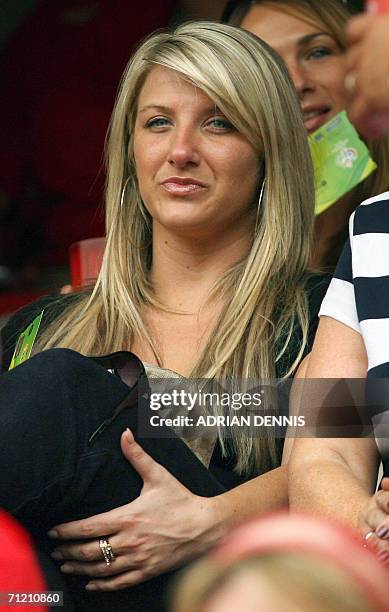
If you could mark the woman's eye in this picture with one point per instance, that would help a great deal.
(218, 123)
(157, 122)
(319, 53)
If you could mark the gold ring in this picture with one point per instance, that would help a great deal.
(107, 551)
(350, 82)
(369, 534)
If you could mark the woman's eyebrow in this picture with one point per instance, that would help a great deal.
(304, 40)
(166, 109)
(158, 107)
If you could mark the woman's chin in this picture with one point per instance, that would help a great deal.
(184, 227)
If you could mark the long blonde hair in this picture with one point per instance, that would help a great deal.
(265, 293)
(332, 16)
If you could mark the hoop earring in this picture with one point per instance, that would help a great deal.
(124, 191)
(261, 193)
(146, 246)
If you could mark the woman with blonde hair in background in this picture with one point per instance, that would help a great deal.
(285, 562)
(209, 222)
(310, 36)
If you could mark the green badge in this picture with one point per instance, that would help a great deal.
(341, 160)
(26, 342)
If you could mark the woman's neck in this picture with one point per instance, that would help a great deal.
(184, 270)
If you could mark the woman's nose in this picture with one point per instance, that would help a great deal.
(302, 78)
(184, 148)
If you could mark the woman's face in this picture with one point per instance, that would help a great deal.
(313, 57)
(196, 173)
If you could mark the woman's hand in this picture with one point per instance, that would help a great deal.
(163, 528)
(367, 65)
(374, 521)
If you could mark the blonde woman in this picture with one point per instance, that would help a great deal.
(321, 565)
(310, 36)
(209, 219)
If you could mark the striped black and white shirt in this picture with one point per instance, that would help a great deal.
(358, 295)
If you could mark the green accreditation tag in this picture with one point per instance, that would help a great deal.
(341, 160)
(26, 342)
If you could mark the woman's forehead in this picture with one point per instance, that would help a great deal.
(282, 27)
(164, 86)
(161, 75)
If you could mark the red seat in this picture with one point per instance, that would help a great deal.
(85, 261)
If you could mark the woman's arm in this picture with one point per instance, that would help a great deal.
(334, 476)
(164, 527)
(295, 401)
(261, 494)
